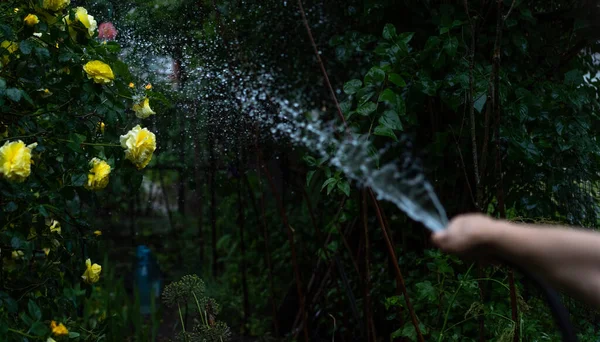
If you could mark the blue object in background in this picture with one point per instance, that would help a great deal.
(148, 279)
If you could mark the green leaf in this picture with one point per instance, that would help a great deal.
(34, 310)
(375, 76)
(27, 97)
(352, 86)
(39, 329)
(26, 319)
(346, 106)
(451, 46)
(309, 177)
(480, 102)
(406, 37)
(65, 56)
(572, 77)
(344, 187)
(42, 53)
(11, 207)
(425, 290)
(364, 95)
(73, 334)
(381, 130)
(113, 47)
(26, 46)
(14, 94)
(444, 30)
(432, 43)
(15, 242)
(42, 210)
(389, 32)
(78, 179)
(366, 109)
(310, 160)
(394, 100)
(327, 182)
(397, 80)
(2, 84)
(428, 86)
(388, 96)
(8, 302)
(391, 120)
(330, 187)
(75, 141)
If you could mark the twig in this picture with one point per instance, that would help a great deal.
(290, 235)
(472, 107)
(323, 70)
(462, 161)
(399, 278)
(367, 283)
(500, 191)
(509, 10)
(263, 222)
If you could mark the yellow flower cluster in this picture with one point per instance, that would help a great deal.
(58, 329)
(98, 176)
(92, 272)
(55, 227)
(139, 144)
(7, 48)
(142, 110)
(15, 160)
(99, 71)
(83, 22)
(31, 20)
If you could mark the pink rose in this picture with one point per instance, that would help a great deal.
(107, 31)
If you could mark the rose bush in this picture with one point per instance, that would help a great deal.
(70, 134)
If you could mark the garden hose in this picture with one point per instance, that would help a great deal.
(560, 313)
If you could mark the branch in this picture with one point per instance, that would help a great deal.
(316, 50)
(472, 107)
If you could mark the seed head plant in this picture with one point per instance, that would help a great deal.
(190, 290)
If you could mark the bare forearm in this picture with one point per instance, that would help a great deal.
(568, 258)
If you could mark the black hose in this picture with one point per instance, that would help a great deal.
(560, 313)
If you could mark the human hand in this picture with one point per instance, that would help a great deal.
(467, 234)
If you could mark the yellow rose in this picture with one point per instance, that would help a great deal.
(81, 17)
(92, 272)
(17, 255)
(58, 329)
(10, 47)
(31, 19)
(131, 85)
(99, 71)
(55, 227)
(98, 176)
(142, 109)
(101, 126)
(55, 5)
(15, 160)
(148, 86)
(97, 232)
(139, 145)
